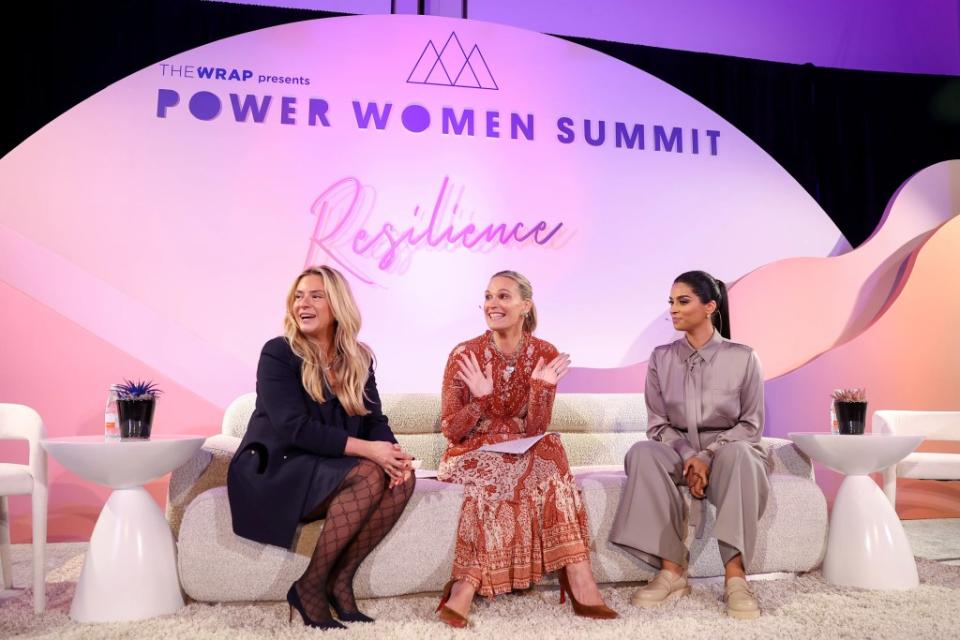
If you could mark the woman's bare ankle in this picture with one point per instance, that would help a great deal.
(734, 568)
(672, 567)
(585, 588)
(461, 597)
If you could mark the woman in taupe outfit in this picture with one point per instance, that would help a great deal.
(704, 399)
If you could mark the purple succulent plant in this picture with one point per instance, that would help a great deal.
(137, 390)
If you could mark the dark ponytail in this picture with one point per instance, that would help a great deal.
(707, 289)
(721, 317)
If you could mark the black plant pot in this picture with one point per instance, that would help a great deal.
(851, 416)
(136, 418)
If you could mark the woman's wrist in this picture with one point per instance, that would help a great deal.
(357, 447)
(478, 405)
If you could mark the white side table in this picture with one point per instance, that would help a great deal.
(130, 571)
(866, 546)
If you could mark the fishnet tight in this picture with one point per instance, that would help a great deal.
(357, 517)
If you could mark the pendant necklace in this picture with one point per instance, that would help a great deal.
(510, 362)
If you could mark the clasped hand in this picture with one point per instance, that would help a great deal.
(697, 474)
(397, 463)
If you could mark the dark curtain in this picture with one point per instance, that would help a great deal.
(849, 137)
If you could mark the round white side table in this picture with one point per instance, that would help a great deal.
(130, 571)
(866, 546)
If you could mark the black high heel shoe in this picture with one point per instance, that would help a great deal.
(293, 599)
(347, 616)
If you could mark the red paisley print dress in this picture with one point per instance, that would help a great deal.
(522, 515)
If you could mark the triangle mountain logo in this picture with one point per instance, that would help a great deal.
(452, 66)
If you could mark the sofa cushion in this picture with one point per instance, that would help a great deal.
(599, 413)
(206, 470)
(930, 466)
(412, 413)
(237, 415)
(419, 413)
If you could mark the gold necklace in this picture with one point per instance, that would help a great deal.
(509, 361)
(330, 363)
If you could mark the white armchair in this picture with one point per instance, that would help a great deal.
(933, 425)
(18, 422)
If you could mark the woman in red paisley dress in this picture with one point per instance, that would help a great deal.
(522, 514)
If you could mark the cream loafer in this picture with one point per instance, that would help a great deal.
(665, 586)
(741, 601)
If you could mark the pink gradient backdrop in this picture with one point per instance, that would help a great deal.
(138, 246)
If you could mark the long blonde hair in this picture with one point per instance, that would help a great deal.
(526, 293)
(351, 359)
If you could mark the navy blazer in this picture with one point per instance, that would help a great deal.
(292, 455)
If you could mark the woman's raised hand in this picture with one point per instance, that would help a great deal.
(553, 372)
(480, 382)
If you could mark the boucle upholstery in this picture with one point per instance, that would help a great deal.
(596, 429)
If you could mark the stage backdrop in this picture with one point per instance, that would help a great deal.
(153, 230)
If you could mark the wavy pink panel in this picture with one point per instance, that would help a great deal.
(908, 359)
(792, 310)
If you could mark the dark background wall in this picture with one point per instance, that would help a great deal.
(849, 137)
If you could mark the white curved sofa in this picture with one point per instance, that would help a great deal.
(597, 430)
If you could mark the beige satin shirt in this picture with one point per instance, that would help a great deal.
(698, 400)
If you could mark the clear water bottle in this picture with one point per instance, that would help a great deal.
(111, 423)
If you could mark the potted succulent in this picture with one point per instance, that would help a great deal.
(135, 404)
(850, 406)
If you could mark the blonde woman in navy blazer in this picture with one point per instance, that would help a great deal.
(318, 446)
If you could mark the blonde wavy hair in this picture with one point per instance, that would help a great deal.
(526, 293)
(351, 360)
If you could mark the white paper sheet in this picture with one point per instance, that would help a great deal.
(516, 447)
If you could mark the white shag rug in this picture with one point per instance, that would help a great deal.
(796, 607)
